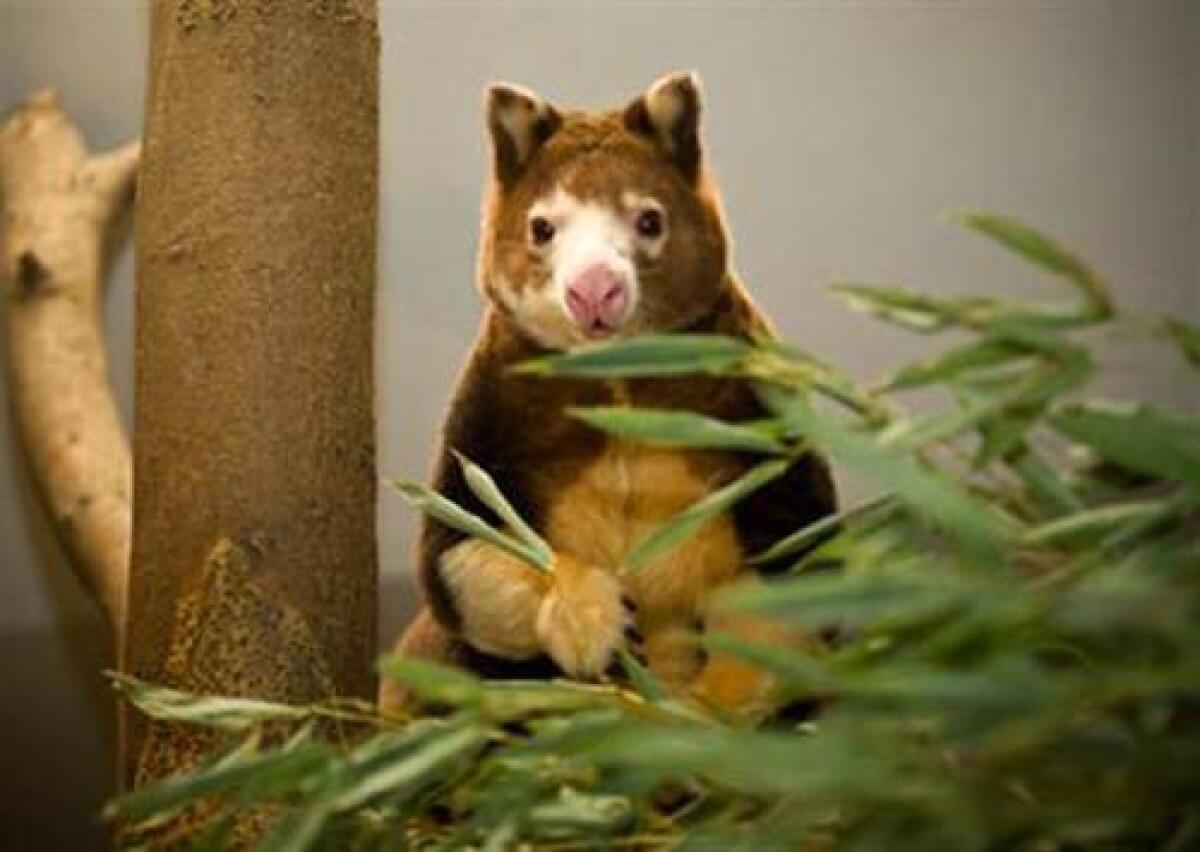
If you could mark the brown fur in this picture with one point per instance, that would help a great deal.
(595, 157)
(590, 495)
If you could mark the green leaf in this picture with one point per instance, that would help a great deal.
(220, 776)
(800, 673)
(231, 714)
(515, 699)
(807, 536)
(756, 761)
(782, 364)
(1043, 481)
(503, 837)
(432, 682)
(1002, 436)
(641, 678)
(917, 311)
(912, 309)
(1085, 525)
(299, 830)
(988, 352)
(586, 812)
(1187, 337)
(678, 429)
(1044, 252)
(1051, 381)
(849, 599)
(968, 700)
(452, 745)
(151, 808)
(484, 487)
(430, 502)
(929, 493)
(690, 520)
(652, 355)
(909, 435)
(1137, 438)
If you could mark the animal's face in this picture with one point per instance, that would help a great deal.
(601, 224)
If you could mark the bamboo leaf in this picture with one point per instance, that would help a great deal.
(917, 433)
(1003, 436)
(988, 352)
(433, 683)
(678, 429)
(1087, 524)
(586, 812)
(910, 308)
(1051, 381)
(452, 745)
(920, 312)
(219, 776)
(299, 830)
(149, 809)
(927, 492)
(800, 672)
(969, 701)
(1137, 438)
(231, 714)
(652, 355)
(690, 520)
(502, 838)
(484, 487)
(1044, 252)
(1187, 338)
(1044, 483)
(825, 600)
(425, 499)
(515, 699)
(641, 679)
(807, 536)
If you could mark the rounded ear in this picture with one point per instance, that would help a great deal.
(669, 113)
(519, 121)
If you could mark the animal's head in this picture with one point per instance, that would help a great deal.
(600, 224)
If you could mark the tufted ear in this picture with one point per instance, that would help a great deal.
(519, 122)
(669, 113)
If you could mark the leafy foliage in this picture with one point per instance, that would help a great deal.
(524, 543)
(1017, 611)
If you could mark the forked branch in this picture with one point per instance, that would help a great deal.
(62, 210)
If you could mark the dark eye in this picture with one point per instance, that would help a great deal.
(541, 230)
(649, 224)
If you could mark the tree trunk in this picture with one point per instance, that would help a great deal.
(254, 556)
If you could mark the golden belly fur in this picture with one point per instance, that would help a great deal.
(618, 500)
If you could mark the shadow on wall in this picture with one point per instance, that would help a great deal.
(57, 718)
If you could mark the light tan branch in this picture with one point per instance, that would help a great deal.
(60, 208)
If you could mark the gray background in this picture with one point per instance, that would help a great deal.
(841, 134)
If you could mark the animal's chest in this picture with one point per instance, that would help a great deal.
(623, 495)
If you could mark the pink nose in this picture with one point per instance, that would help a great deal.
(597, 299)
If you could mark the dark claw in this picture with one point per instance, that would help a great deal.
(615, 671)
(633, 635)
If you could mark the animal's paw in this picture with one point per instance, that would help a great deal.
(582, 620)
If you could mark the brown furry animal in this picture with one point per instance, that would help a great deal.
(600, 225)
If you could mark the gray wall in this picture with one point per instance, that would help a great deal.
(840, 132)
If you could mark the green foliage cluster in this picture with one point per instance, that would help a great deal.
(1017, 611)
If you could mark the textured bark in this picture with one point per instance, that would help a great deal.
(62, 211)
(254, 556)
